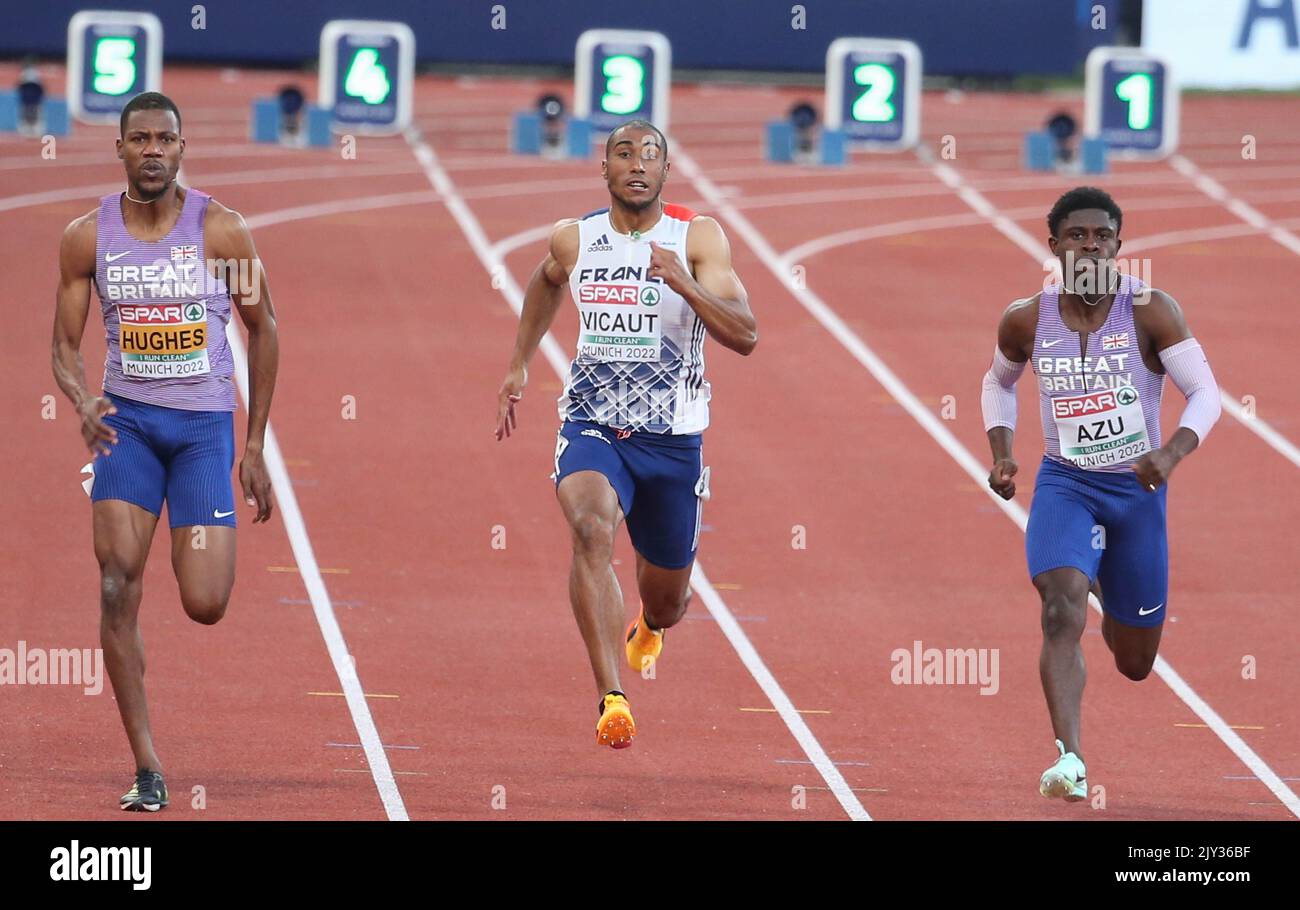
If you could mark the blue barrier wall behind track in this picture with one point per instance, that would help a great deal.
(977, 37)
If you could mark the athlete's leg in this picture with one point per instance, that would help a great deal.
(1134, 648)
(122, 533)
(203, 558)
(1135, 574)
(665, 593)
(591, 507)
(1064, 594)
(201, 509)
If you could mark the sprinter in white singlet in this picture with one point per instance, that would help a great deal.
(1101, 344)
(650, 280)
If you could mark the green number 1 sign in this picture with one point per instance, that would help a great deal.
(1136, 90)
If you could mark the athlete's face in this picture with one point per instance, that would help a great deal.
(151, 148)
(635, 168)
(1086, 244)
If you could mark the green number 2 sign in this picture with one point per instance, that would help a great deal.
(624, 84)
(873, 105)
(114, 65)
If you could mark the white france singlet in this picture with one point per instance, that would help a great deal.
(640, 354)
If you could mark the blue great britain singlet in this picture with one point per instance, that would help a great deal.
(164, 313)
(640, 355)
(1101, 412)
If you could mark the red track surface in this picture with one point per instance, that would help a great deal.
(390, 305)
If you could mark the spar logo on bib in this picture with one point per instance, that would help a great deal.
(159, 341)
(1101, 429)
(618, 323)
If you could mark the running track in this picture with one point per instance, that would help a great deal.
(475, 677)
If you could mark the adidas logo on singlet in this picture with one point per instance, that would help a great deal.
(601, 245)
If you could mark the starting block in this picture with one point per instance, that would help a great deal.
(314, 126)
(784, 145)
(51, 116)
(531, 134)
(1040, 153)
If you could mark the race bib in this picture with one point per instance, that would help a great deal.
(620, 322)
(1101, 428)
(160, 341)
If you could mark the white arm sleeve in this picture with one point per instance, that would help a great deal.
(998, 400)
(1187, 366)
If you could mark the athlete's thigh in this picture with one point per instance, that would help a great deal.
(671, 486)
(590, 478)
(1134, 572)
(199, 459)
(122, 535)
(133, 472)
(1063, 529)
(203, 559)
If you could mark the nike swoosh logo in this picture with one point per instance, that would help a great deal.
(1048, 344)
(109, 257)
(216, 514)
(1142, 612)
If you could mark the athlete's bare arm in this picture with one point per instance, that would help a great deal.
(542, 299)
(1016, 343)
(228, 241)
(715, 292)
(1161, 324)
(72, 303)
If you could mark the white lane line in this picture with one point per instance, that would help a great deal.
(491, 261)
(305, 556)
(950, 444)
(339, 207)
(1239, 207)
(224, 178)
(821, 244)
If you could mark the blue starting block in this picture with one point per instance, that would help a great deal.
(315, 128)
(1093, 152)
(528, 137)
(782, 145)
(53, 119)
(1040, 153)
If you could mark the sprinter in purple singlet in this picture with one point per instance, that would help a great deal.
(1101, 344)
(170, 265)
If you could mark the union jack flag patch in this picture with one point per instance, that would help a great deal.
(1112, 342)
(188, 251)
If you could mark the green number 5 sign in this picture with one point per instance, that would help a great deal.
(114, 66)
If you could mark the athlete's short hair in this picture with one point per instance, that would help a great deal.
(640, 125)
(1084, 197)
(149, 101)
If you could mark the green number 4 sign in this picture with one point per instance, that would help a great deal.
(366, 78)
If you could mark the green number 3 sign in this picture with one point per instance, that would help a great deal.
(624, 84)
